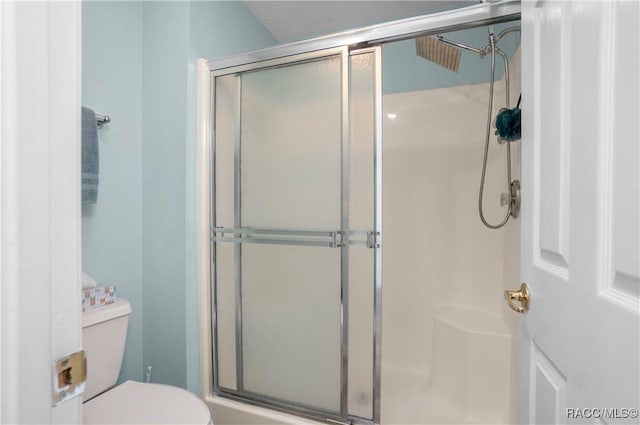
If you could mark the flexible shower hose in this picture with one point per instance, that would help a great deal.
(488, 136)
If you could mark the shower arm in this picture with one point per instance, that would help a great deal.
(481, 52)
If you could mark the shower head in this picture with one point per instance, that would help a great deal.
(446, 53)
(435, 50)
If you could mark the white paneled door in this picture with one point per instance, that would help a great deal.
(580, 245)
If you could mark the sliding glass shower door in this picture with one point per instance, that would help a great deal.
(296, 233)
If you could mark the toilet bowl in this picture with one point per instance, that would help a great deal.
(140, 403)
(104, 333)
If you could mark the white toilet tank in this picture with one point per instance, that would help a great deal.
(104, 332)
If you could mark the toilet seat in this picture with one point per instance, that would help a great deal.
(137, 403)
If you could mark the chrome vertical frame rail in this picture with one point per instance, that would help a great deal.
(377, 296)
(212, 245)
(344, 255)
(237, 218)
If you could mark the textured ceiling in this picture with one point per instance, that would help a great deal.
(297, 20)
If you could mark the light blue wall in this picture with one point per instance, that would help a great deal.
(139, 67)
(165, 39)
(112, 228)
(216, 29)
(164, 92)
(175, 34)
(403, 70)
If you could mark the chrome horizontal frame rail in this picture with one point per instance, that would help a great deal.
(436, 23)
(272, 231)
(327, 238)
(322, 238)
(267, 241)
(275, 62)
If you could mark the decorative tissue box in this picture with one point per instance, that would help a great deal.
(97, 297)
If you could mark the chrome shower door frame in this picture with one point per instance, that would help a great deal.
(338, 238)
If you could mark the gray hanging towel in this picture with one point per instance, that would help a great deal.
(90, 157)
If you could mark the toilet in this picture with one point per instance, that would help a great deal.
(104, 331)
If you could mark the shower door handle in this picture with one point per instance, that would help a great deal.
(521, 296)
(324, 238)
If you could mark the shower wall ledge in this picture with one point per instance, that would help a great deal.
(471, 364)
(471, 321)
(468, 379)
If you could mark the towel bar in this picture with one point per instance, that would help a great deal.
(102, 119)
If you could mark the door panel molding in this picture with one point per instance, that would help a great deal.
(552, 46)
(620, 184)
(550, 390)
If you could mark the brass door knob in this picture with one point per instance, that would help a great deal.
(520, 297)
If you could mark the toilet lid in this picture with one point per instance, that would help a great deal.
(138, 403)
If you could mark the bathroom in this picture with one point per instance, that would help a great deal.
(418, 330)
(148, 182)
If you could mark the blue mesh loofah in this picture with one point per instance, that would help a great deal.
(507, 124)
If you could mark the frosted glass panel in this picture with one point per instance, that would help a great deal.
(361, 285)
(291, 323)
(361, 218)
(290, 146)
(226, 117)
(226, 331)
(361, 141)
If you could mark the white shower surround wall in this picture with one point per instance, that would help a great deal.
(450, 343)
(450, 347)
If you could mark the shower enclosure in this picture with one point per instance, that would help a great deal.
(294, 313)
